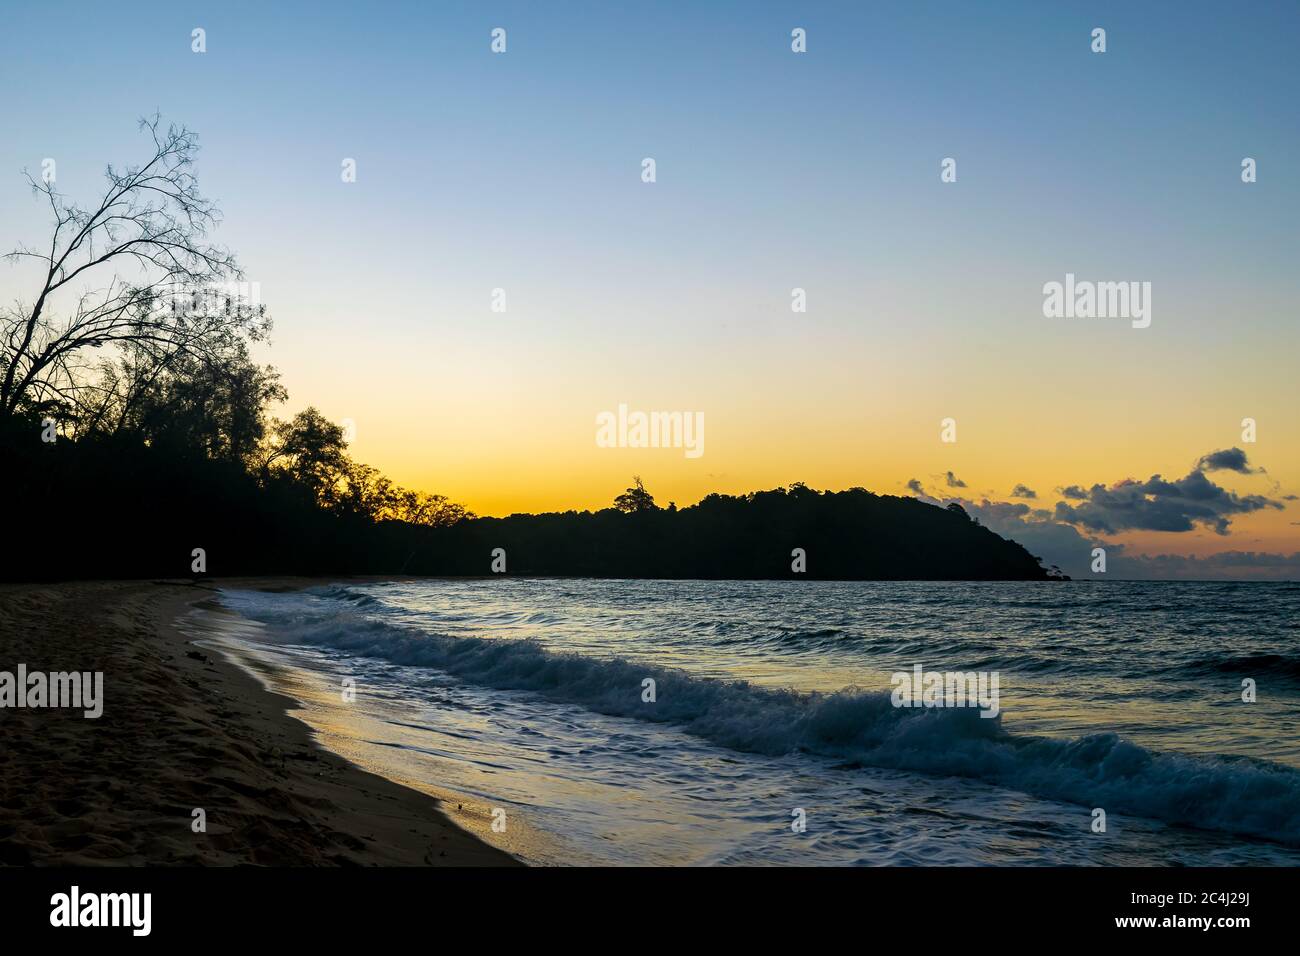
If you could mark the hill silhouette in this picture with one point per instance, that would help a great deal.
(845, 535)
(115, 508)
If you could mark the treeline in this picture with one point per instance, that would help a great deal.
(141, 511)
(793, 532)
(111, 505)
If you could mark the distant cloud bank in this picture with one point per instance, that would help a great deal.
(1065, 535)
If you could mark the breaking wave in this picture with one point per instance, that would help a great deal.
(1233, 794)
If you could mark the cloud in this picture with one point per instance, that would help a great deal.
(1160, 505)
(1065, 547)
(1050, 541)
(1065, 535)
(1254, 565)
(1227, 459)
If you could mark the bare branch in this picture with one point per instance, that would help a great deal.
(148, 239)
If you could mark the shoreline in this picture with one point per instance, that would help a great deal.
(185, 730)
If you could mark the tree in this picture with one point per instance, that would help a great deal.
(134, 272)
(211, 405)
(800, 490)
(636, 498)
(311, 450)
(363, 491)
(434, 511)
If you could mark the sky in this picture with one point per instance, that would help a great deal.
(774, 170)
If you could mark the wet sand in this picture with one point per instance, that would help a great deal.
(184, 729)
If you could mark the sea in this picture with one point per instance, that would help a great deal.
(652, 722)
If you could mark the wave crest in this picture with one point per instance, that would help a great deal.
(1233, 794)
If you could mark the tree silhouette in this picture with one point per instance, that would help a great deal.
(311, 449)
(135, 270)
(211, 406)
(636, 498)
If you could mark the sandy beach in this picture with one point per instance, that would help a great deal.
(183, 729)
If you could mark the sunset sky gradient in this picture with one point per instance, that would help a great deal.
(775, 170)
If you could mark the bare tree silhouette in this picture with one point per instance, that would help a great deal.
(128, 274)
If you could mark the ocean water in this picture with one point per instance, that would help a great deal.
(773, 706)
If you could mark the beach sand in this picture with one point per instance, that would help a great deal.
(182, 729)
